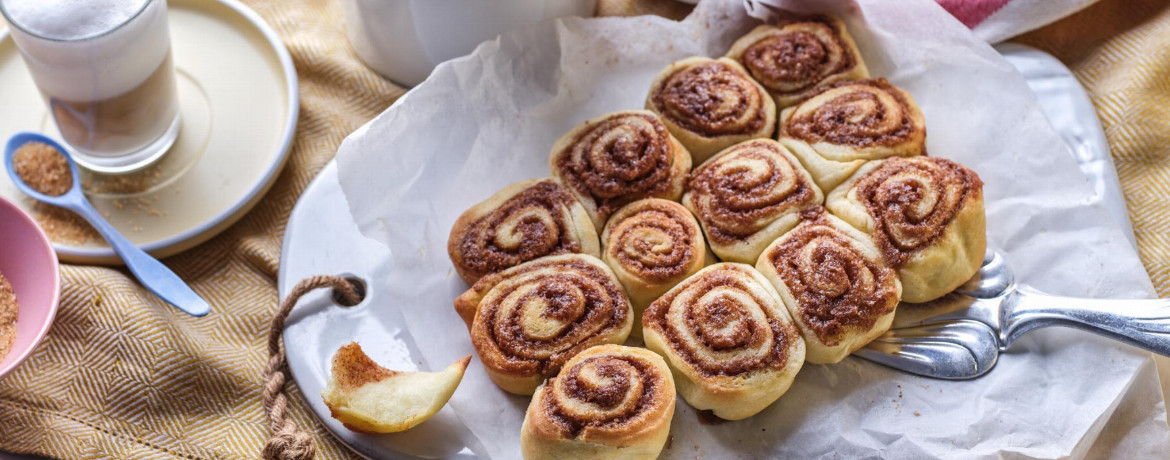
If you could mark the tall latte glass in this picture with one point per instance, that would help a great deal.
(104, 68)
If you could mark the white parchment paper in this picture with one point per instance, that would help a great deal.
(482, 122)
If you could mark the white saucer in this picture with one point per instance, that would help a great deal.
(321, 238)
(239, 102)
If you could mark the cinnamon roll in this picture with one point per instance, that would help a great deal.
(728, 340)
(793, 58)
(747, 196)
(835, 283)
(609, 401)
(525, 220)
(926, 215)
(651, 245)
(843, 125)
(617, 158)
(711, 104)
(528, 320)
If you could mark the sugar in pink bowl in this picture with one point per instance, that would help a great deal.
(28, 262)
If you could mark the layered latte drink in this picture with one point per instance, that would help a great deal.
(104, 68)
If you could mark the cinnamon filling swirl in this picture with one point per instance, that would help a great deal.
(531, 224)
(712, 99)
(619, 159)
(601, 391)
(799, 56)
(913, 200)
(741, 191)
(656, 243)
(835, 286)
(719, 324)
(855, 113)
(545, 313)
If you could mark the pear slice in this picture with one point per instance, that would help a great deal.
(369, 398)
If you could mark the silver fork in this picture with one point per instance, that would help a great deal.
(961, 335)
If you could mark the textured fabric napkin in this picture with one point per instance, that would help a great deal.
(1118, 50)
(121, 375)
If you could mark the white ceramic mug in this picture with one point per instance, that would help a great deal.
(405, 39)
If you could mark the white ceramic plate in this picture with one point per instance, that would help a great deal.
(239, 102)
(321, 238)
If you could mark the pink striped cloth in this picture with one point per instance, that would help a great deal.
(998, 20)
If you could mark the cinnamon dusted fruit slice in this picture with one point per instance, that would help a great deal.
(369, 398)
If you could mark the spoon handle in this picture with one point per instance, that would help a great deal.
(150, 272)
(1143, 323)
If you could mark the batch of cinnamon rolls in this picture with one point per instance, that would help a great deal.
(768, 208)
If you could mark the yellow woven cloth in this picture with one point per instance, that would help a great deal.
(1119, 50)
(122, 375)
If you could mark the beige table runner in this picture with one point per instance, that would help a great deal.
(121, 374)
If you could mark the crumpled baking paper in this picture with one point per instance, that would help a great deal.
(487, 120)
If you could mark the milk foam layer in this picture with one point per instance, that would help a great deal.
(70, 19)
(68, 65)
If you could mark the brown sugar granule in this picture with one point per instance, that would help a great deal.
(43, 168)
(7, 316)
(63, 226)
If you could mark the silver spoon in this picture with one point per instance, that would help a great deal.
(960, 335)
(150, 272)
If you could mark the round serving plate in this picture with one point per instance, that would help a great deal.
(321, 238)
(238, 101)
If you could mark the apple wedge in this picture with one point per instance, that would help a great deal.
(369, 398)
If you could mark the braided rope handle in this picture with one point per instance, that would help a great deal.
(286, 441)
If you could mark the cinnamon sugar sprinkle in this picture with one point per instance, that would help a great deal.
(43, 168)
(7, 316)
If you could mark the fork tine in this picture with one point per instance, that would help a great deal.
(956, 350)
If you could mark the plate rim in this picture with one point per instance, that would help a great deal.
(210, 228)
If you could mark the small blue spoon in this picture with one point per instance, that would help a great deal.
(150, 272)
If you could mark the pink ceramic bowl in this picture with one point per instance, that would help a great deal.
(28, 262)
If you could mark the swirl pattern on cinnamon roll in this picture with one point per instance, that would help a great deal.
(528, 320)
(845, 124)
(926, 215)
(835, 283)
(791, 59)
(609, 401)
(651, 245)
(728, 339)
(617, 158)
(711, 104)
(747, 196)
(525, 220)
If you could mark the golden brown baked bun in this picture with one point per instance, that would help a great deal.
(652, 245)
(843, 125)
(747, 196)
(926, 215)
(728, 340)
(525, 220)
(793, 58)
(835, 283)
(618, 158)
(528, 320)
(610, 401)
(369, 398)
(711, 104)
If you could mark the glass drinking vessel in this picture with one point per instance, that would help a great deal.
(104, 69)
